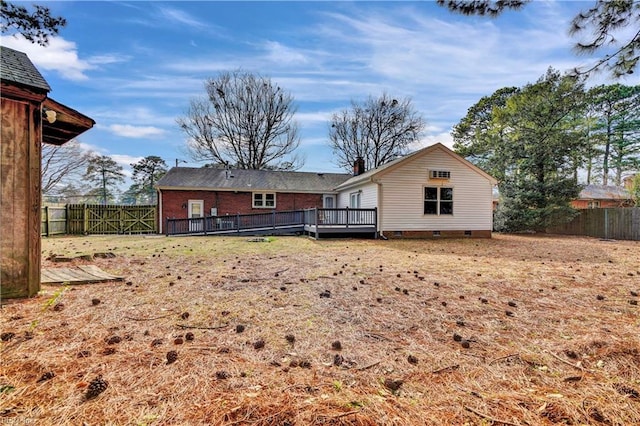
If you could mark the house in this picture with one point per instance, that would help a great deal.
(602, 196)
(432, 192)
(29, 118)
(186, 192)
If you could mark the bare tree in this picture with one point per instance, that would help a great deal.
(247, 122)
(604, 24)
(377, 130)
(62, 165)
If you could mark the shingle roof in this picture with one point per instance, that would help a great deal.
(250, 180)
(369, 174)
(16, 67)
(604, 192)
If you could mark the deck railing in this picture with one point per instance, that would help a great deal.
(346, 217)
(317, 217)
(237, 223)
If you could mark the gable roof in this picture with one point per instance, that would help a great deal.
(16, 67)
(604, 192)
(385, 168)
(189, 178)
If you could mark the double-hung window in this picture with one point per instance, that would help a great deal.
(264, 200)
(438, 200)
(354, 200)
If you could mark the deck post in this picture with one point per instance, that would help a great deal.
(347, 219)
(238, 222)
(375, 221)
(273, 218)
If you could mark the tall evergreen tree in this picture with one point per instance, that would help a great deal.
(617, 128)
(146, 173)
(529, 141)
(106, 174)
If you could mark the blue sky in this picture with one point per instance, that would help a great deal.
(134, 66)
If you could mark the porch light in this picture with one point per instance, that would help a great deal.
(49, 115)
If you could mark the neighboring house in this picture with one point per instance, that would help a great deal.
(186, 192)
(602, 196)
(432, 192)
(29, 118)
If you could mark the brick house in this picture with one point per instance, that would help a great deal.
(602, 196)
(186, 192)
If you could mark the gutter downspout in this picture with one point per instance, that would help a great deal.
(160, 211)
(380, 209)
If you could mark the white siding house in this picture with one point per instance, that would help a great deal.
(431, 192)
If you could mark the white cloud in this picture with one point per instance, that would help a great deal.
(129, 131)
(281, 54)
(177, 16)
(60, 56)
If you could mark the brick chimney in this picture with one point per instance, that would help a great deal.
(358, 166)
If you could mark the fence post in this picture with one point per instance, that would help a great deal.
(238, 222)
(85, 219)
(273, 218)
(606, 224)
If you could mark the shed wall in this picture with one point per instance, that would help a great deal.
(19, 198)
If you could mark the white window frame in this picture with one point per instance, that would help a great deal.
(355, 199)
(329, 199)
(437, 201)
(192, 203)
(261, 197)
(195, 225)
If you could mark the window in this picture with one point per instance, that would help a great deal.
(264, 200)
(354, 200)
(438, 200)
(439, 174)
(593, 204)
(329, 201)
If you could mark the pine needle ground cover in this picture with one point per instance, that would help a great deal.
(516, 330)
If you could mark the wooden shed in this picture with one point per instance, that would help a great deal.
(28, 119)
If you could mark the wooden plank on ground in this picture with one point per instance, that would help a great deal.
(83, 274)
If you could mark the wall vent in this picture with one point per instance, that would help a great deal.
(439, 174)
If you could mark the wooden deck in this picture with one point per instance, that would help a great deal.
(312, 222)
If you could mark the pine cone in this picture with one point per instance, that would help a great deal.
(47, 376)
(96, 387)
(172, 356)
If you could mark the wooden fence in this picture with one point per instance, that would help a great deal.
(98, 219)
(617, 224)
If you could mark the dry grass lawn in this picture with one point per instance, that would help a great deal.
(516, 330)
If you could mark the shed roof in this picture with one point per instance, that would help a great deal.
(189, 178)
(603, 192)
(16, 67)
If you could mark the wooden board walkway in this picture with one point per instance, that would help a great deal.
(83, 274)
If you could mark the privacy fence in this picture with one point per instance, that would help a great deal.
(98, 219)
(617, 224)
